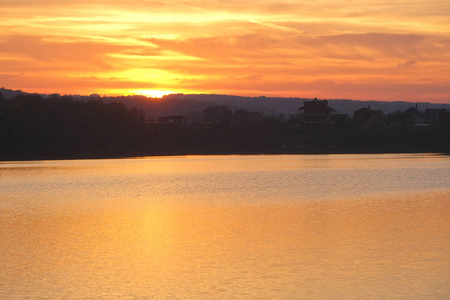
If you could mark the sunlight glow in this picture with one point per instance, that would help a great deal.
(375, 49)
(153, 93)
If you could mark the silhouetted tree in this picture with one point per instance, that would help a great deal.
(34, 127)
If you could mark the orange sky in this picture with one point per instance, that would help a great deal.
(373, 49)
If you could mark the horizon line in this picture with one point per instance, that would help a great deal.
(215, 94)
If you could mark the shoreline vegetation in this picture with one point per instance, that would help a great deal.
(34, 127)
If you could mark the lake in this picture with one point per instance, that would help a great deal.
(227, 227)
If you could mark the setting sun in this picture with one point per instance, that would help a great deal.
(153, 93)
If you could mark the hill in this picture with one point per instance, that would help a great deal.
(193, 104)
(289, 106)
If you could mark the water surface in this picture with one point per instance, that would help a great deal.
(227, 227)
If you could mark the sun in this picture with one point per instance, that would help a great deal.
(153, 93)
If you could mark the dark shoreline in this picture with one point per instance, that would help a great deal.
(25, 159)
(61, 128)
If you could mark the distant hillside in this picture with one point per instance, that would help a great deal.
(289, 106)
(9, 94)
(153, 107)
(194, 104)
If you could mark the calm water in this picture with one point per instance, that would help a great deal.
(227, 227)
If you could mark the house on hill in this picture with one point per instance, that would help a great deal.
(364, 113)
(315, 113)
(419, 115)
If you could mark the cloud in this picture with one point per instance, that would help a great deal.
(51, 52)
(256, 46)
(286, 62)
(407, 64)
(286, 48)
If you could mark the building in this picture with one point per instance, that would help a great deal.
(362, 113)
(419, 115)
(315, 113)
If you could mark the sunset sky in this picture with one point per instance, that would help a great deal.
(373, 49)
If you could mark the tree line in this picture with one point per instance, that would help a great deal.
(59, 127)
(33, 127)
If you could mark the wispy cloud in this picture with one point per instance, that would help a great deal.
(373, 49)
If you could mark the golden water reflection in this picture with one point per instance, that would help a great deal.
(377, 247)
